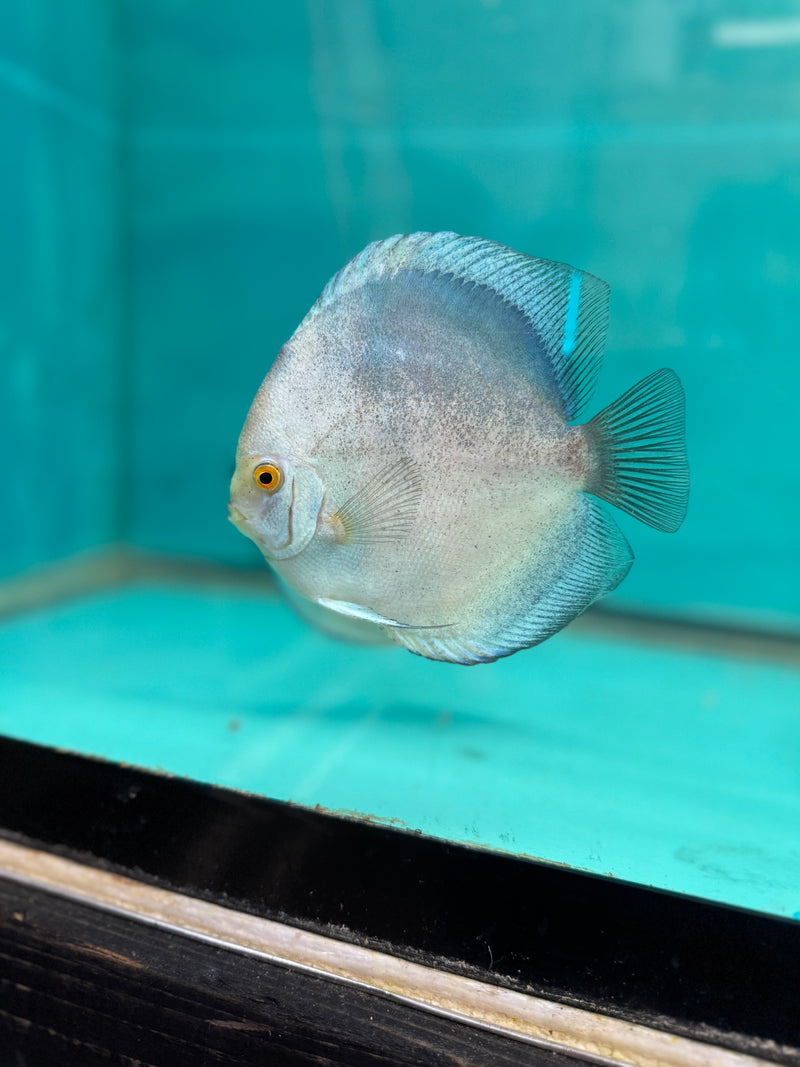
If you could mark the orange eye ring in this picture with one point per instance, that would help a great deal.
(268, 477)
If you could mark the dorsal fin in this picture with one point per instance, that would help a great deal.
(567, 309)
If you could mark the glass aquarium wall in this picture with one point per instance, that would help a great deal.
(62, 281)
(180, 179)
(654, 144)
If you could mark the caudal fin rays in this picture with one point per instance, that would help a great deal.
(639, 450)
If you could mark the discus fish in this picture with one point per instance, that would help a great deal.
(411, 458)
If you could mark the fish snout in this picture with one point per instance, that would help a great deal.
(235, 515)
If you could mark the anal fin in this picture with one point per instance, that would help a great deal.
(588, 560)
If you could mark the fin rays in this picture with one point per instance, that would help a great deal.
(641, 452)
(385, 508)
(596, 561)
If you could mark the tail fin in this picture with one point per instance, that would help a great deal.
(639, 448)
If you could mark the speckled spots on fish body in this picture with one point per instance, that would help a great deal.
(433, 481)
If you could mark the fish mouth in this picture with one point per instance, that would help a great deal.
(243, 523)
(247, 525)
(236, 516)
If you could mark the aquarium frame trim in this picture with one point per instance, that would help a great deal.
(600, 1039)
(721, 976)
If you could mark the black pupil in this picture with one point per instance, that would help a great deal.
(265, 478)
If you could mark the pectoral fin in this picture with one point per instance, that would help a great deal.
(383, 509)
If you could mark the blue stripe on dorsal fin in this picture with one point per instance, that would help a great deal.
(571, 323)
(567, 309)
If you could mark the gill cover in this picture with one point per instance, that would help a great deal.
(291, 514)
(283, 521)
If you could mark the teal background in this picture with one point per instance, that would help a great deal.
(179, 179)
(62, 280)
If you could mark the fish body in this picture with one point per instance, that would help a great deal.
(424, 472)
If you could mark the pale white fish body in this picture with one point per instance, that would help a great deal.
(418, 420)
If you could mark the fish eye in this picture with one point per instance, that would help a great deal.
(268, 477)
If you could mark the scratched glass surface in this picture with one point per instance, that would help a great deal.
(179, 181)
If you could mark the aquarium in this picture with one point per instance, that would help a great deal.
(179, 182)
